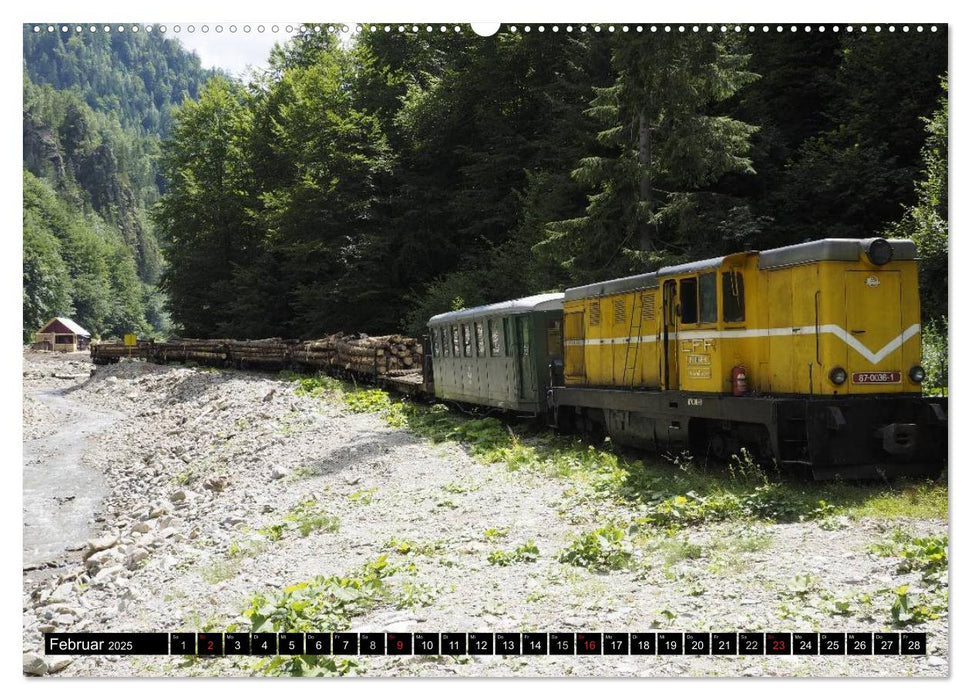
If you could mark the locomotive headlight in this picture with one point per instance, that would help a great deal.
(879, 251)
(917, 374)
(837, 375)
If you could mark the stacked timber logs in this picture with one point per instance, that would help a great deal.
(362, 354)
(212, 351)
(106, 353)
(269, 352)
(376, 356)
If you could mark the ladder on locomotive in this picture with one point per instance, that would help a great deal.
(633, 338)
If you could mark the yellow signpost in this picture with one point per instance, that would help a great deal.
(131, 340)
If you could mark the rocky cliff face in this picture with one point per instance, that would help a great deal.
(86, 172)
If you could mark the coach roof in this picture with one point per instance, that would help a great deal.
(537, 302)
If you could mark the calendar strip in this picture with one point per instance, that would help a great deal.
(489, 643)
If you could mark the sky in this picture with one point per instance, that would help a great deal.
(237, 51)
(234, 52)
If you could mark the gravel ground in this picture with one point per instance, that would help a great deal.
(201, 461)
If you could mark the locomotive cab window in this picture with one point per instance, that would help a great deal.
(688, 299)
(708, 297)
(733, 297)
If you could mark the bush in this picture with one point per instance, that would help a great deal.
(934, 358)
(604, 549)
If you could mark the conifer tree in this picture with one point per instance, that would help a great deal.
(663, 143)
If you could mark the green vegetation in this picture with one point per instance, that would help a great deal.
(322, 603)
(96, 107)
(76, 265)
(494, 534)
(356, 400)
(908, 608)
(318, 386)
(604, 549)
(364, 496)
(306, 517)
(527, 552)
(427, 549)
(677, 549)
(411, 595)
(367, 401)
(925, 554)
(236, 554)
(370, 185)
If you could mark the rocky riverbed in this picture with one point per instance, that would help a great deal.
(224, 488)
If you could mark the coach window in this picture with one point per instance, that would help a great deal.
(467, 340)
(495, 345)
(444, 333)
(479, 340)
(435, 343)
(456, 346)
(708, 297)
(507, 336)
(688, 299)
(733, 297)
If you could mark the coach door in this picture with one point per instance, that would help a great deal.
(669, 337)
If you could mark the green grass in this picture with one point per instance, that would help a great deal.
(677, 549)
(222, 570)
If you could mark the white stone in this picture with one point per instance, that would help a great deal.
(99, 544)
(136, 555)
(34, 665)
(59, 665)
(102, 559)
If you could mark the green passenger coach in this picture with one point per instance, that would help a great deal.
(500, 354)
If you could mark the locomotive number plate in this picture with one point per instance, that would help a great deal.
(876, 377)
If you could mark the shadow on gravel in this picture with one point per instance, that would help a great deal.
(369, 448)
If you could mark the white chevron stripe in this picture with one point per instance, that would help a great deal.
(831, 328)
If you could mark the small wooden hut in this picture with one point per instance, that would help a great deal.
(62, 335)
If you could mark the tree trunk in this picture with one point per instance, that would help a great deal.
(644, 160)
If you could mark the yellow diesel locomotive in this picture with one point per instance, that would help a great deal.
(807, 355)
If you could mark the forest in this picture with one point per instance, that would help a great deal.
(366, 186)
(96, 108)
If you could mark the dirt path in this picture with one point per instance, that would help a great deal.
(224, 489)
(62, 493)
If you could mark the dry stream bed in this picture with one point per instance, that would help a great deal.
(220, 491)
